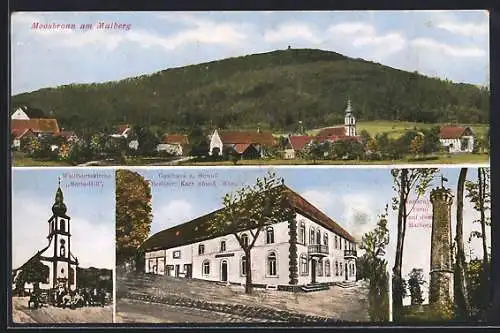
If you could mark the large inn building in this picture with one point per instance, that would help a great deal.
(308, 249)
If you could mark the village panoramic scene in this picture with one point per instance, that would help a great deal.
(303, 246)
(250, 88)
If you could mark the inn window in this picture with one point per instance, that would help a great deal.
(302, 233)
(345, 243)
(318, 237)
(336, 268)
(327, 268)
(325, 239)
(222, 246)
(271, 264)
(201, 249)
(243, 266)
(244, 240)
(340, 241)
(336, 242)
(205, 267)
(311, 236)
(341, 272)
(304, 267)
(270, 235)
(177, 254)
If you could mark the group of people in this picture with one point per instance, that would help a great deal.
(79, 298)
(61, 297)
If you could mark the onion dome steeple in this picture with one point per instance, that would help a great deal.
(59, 208)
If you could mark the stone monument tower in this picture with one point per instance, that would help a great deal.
(441, 272)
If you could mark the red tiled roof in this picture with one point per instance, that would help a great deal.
(175, 139)
(121, 128)
(263, 138)
(453, 132)
(298, 142)
(331, 131)
(241, 147)
(19, 133)
(335, 138)
(36, 125)
(197, 230)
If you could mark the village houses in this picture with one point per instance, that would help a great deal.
(174, 144)
(246, 144)
(456, 139)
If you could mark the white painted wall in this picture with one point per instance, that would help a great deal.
(19, 114)
(457, 144)
(215, 142)
(175, 149)
(336, 254)
(289, 154)
(233, 257)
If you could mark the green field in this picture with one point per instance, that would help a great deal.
(397, 128)
(21, 160)
(442, 159)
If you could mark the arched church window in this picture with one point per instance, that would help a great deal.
(62, 249)
(62, 226)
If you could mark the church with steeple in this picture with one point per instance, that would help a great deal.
(336, 133)
(55, 265)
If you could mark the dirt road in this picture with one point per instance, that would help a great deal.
(49, 314)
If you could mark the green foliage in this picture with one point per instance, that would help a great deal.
(94, 278)
(415, 281)
(198, 142)
(133, 214)
(148, 139)
(479, 193)
(373, 268)
(277, 89)
(476, 288)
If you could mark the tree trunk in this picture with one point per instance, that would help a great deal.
(248, 281)
(461, 298)
(484, 281)
(397, 299)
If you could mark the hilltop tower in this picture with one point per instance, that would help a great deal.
(441, 270)
(349, 120)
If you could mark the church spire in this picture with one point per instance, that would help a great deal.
(348, 108)
(59, 208)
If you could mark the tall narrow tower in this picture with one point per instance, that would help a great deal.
(441, 272)
(64, 264)
(349, 120)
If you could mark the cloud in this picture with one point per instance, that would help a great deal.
(292, 31)
(465, 29)
(92, 243)
(172, 214)
(445, 49)
(356, 212)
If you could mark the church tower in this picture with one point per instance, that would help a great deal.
(441, 270)
(349, 120)
(63, 263)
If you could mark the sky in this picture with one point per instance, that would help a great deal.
(451, 45)
(353, 197)
(90, 203)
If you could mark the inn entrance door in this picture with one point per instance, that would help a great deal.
(313, 271)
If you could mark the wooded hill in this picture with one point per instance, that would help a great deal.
(271, 90)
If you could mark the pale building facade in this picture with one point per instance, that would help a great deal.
(286, 255)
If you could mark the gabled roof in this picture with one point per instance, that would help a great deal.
(263, 138)
(121, 128)
(20, 133)
(454, 132)
(298, 142)
(241, 147)
(197, 230)
(42, 125)
(175, 139)
(331, 131)
(31, 112)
